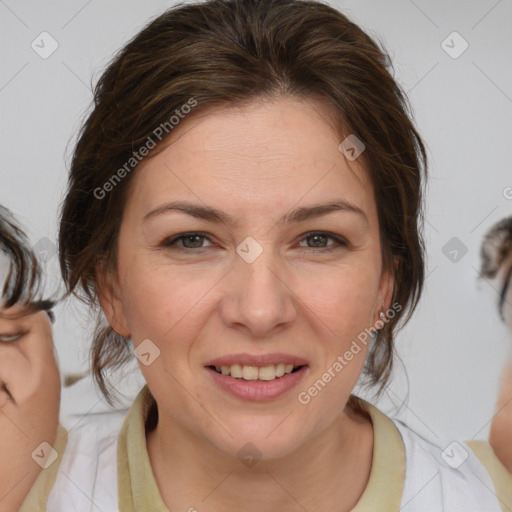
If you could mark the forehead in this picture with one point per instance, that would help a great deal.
(261, 154)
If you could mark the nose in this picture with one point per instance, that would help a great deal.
(257, 297)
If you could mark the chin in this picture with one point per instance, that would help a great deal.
(252, 445)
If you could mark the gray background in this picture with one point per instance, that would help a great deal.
(455, 346)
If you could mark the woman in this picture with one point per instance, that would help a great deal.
(243, 203)
(29, 377)
(496, 255)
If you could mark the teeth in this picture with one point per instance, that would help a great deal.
(235, 371)
(269, 372)
(250, 372)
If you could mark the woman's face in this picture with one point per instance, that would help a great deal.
(254, 281)
(28, 370)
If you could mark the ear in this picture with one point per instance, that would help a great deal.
(385, 292)
(107, 287)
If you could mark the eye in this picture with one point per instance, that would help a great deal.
(191, 240)
(321, 237)
(195, 240)
(11, 338)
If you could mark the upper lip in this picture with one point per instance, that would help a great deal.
(256, 360)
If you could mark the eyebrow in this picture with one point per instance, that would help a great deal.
(300, 214)
(35, 307)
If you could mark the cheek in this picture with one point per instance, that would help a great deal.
(150, 306)
(159, 301)
(344, 299)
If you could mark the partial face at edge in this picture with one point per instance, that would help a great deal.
(317, 284)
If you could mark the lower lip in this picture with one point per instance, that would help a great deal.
(258, 389)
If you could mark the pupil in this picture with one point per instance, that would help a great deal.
(316, 237)
(197, 237)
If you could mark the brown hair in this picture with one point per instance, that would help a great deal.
(496, 258)
(23, 285)
(226, 52)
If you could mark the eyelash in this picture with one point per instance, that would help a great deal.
(11, 338)
(340, 242)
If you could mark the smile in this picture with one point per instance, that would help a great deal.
(247, 372)
(259, 389)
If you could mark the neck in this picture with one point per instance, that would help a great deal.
(329, 472)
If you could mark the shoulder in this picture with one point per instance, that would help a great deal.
(453, 475)
(51, 459)
(501, 477)
(83, 476)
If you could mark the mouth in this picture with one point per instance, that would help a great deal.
(250, 373)
(257, 383)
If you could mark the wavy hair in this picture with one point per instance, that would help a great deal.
(223, 53)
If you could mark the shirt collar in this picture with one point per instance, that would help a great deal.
(138, 490)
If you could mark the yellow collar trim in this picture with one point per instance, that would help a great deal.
(138, 490)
